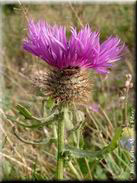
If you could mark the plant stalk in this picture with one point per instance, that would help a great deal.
(60, 160)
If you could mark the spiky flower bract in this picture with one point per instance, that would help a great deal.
(70, 59)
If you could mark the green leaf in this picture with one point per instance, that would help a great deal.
(50, 103)
(23, 111)
(82, 165)
(99, 154)
(41, 122)
(38, 142)
(68, 118)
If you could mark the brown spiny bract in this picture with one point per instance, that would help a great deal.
(65, 86)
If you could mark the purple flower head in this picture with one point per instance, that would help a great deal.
(82, 50)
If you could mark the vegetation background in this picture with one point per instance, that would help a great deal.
(115, 100)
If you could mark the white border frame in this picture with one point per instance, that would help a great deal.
(2, 2)
(1, 91)
(73, 1)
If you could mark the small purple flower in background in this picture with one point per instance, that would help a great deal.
(94, 107)
(70, 59)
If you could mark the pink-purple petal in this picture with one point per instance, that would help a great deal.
(83, 49)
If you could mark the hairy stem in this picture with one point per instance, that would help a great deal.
(60, 160)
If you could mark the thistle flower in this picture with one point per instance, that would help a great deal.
(70, 59)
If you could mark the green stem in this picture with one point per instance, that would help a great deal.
(60, 160)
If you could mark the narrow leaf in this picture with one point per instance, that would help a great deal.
(98, 154)
(23, 111)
